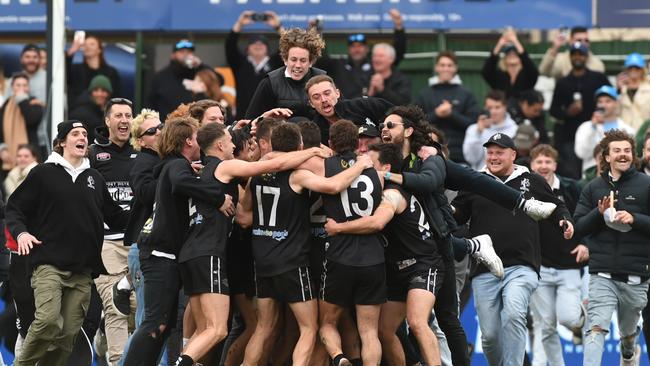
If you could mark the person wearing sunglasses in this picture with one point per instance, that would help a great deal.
(174, 84)
(145, 131)
(557, 64)
(113, 156)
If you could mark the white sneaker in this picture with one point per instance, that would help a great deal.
(488, 256)
(538, 210)
(634, 360)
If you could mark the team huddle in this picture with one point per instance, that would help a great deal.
(318, 231)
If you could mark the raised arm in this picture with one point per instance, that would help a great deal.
(239, 168)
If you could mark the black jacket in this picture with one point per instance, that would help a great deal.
(245, 76)
(426, 180)
(167, 91)
(358, 110)
(500, 80)
(282, 92)
(176, 185)
(143, 185)
(514, 234)
(465, 111)
(67, 216)
(353, 78)
(32, 113)
(114, 163)
(89, 112)
(610, 250)
(397, 88)
(79, 77)
(586, 85)
(556, 251)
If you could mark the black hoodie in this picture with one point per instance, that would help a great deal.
(114, 163)
(515, 235)
(177, 185)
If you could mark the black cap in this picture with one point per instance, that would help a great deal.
(369, 131)
(258, 38)
(579, 47)
(29, 47)
(65, 127)
(500, 139)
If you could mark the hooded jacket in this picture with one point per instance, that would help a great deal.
(612, 251)
(514, 234)
(65, 208)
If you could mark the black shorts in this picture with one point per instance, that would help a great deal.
(405, 276)
(295, 285)
(348, 285)
(204, 275)
(317, 259)
(241, 270)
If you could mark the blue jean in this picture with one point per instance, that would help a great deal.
(605, 296)
(502, 306)
(557, 299)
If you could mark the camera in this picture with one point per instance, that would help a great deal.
(259, 17)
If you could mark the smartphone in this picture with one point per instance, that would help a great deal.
(80, 36)
(259, 17)
(484, 113)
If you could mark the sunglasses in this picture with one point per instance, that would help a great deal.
(389, 125)
(151, 130)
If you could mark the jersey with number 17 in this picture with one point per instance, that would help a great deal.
(360, 199)
(281, 232)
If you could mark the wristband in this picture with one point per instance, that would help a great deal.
(387, 176)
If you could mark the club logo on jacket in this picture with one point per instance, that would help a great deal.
(91, 182)
(103, 156)
(525, 185)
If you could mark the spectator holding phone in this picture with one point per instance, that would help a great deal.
(558, 64)
(606, 117)
(80, 75)
(515, 71)
(250, 66)
(175, 83)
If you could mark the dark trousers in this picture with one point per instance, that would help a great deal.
(462, 178)
(446, 310)
(161, 285)
(20, 276)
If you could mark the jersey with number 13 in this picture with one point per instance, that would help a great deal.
(360, 199)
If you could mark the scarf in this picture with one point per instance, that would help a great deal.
(14, 127)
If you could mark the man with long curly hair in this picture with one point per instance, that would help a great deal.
(284, 87)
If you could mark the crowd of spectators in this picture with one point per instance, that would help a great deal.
(585, 105)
